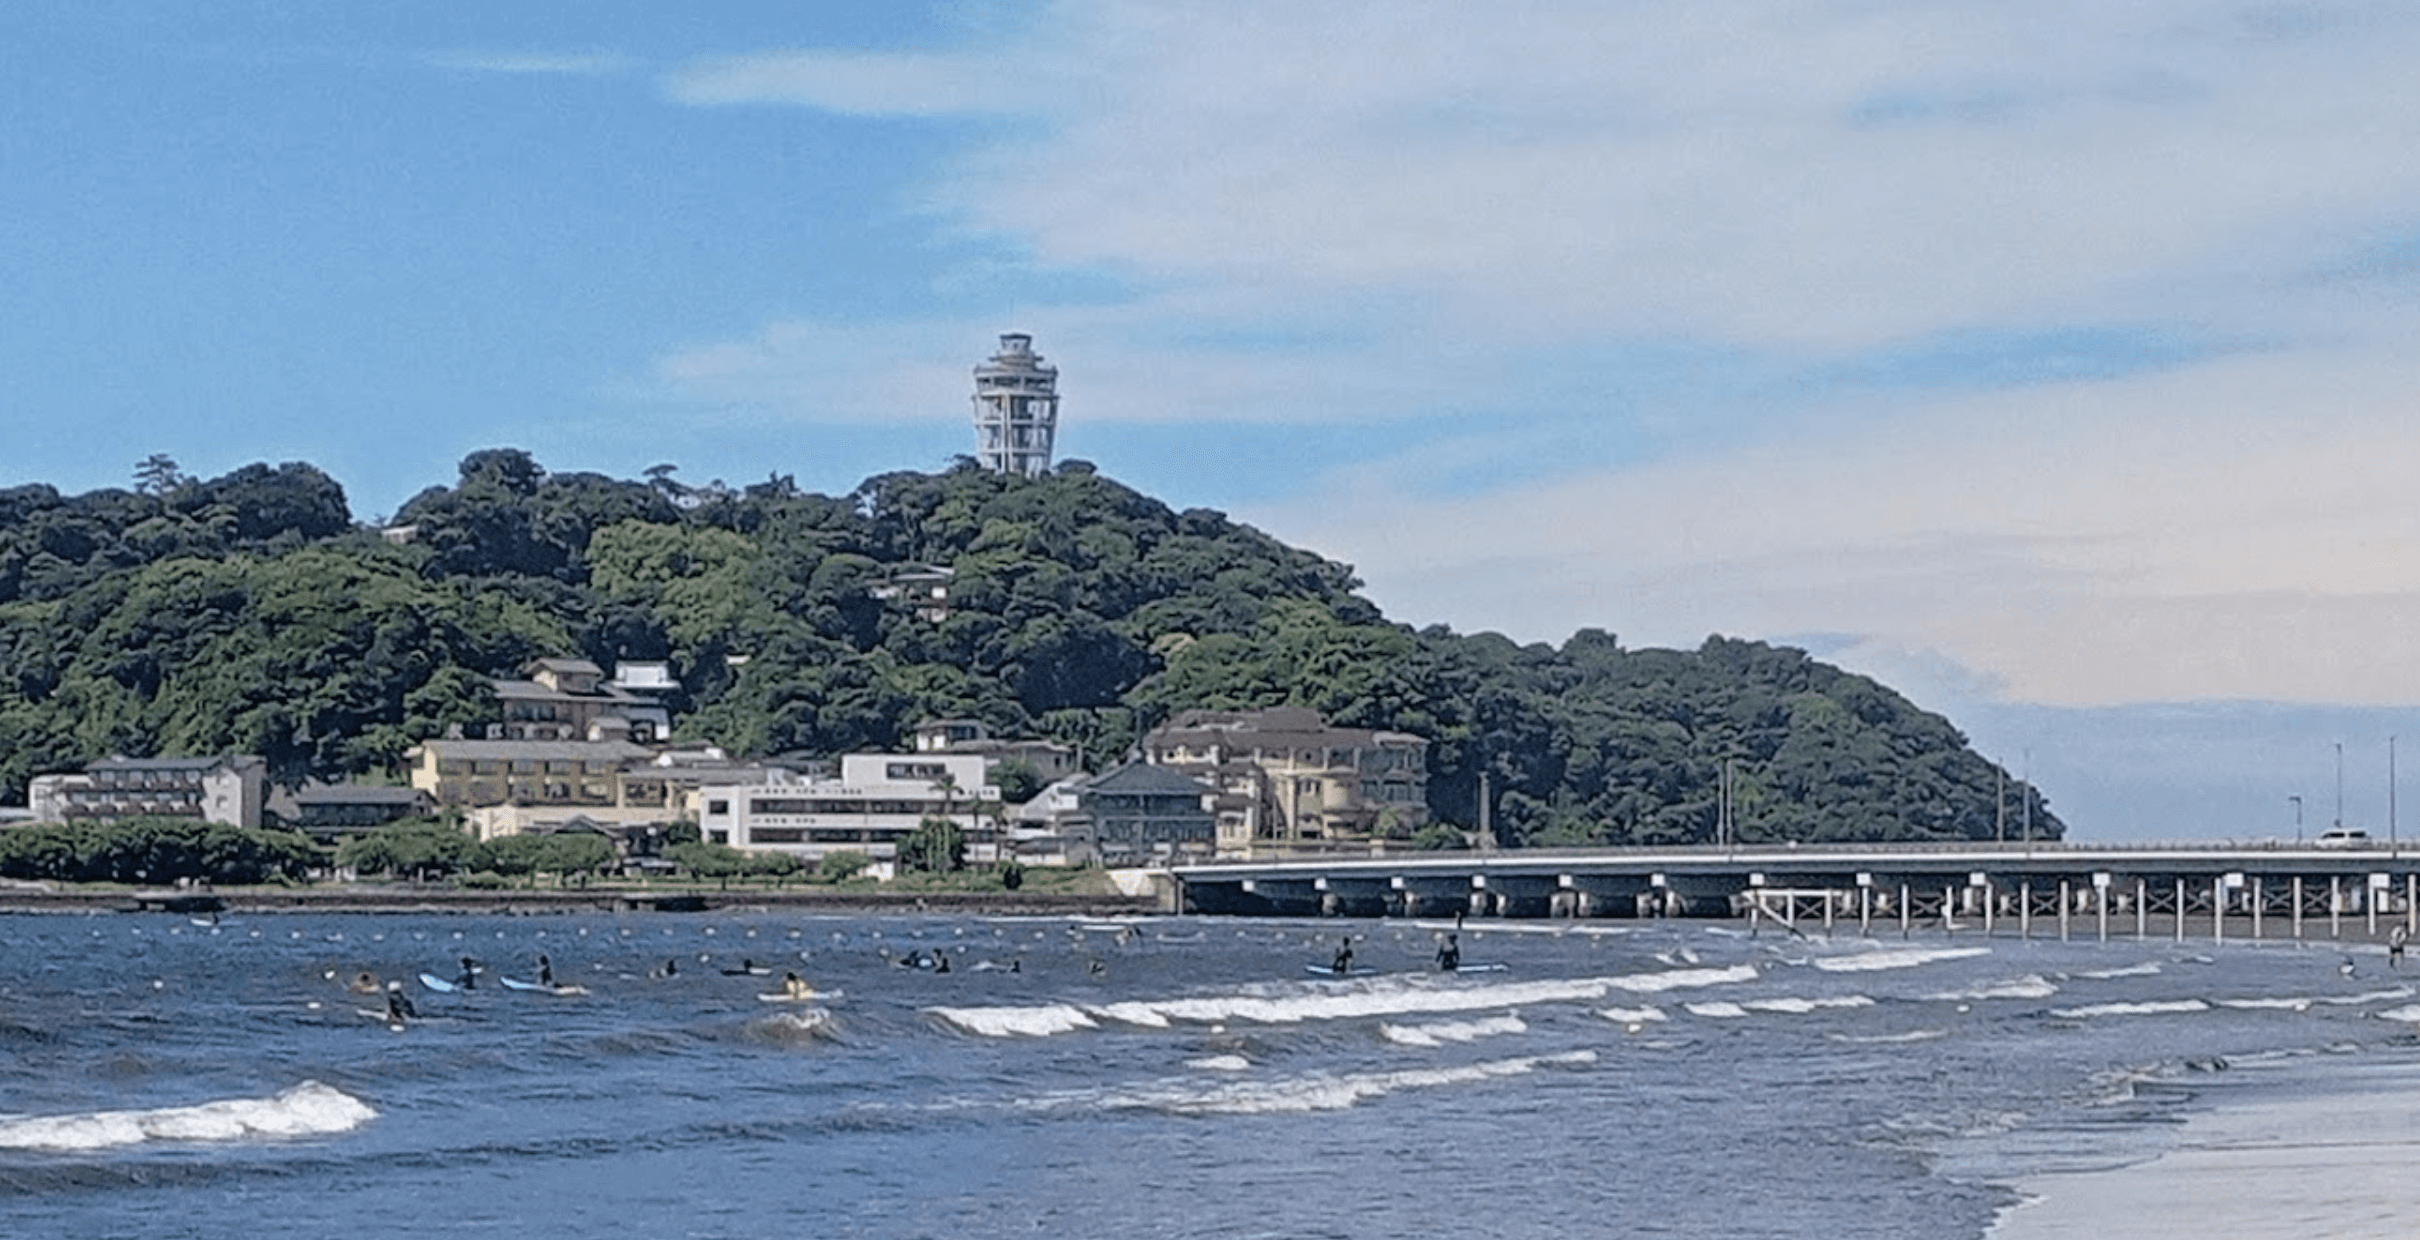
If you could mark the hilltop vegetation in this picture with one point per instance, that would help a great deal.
(250, 614)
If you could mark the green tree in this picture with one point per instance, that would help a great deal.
(720, 862)
(841, 865)
(936, 846)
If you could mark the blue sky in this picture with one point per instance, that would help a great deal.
(2049, 362)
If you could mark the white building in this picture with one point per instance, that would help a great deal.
(229, 789)
(1016, 409)
(876, 801)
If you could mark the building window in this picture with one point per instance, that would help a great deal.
(718, 807)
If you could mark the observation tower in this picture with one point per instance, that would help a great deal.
(1016, 409)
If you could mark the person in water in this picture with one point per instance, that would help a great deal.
(1344, 957)
(546, 970)
(399, 1004)
(469, 978)
(1449, 953)
(941, 963)
(796, 987)
(365, 983)
(2395, 941)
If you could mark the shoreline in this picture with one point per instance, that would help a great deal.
(2317, 1147)
(405, 899)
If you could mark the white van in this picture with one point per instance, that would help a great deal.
(2344, 837)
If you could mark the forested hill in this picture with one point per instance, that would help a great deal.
(250, 614)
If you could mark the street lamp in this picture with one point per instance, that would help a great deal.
(2297, 817)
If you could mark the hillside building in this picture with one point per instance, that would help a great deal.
(571, 700)
(1286, 781)
(1049, 759)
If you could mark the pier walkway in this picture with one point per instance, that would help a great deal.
(2202, 890)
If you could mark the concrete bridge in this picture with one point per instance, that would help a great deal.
(2213, 890)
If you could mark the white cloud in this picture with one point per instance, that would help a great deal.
(2230, 531)
(1425, 202)
(856, 83)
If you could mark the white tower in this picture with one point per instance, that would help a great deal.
(1016, 409)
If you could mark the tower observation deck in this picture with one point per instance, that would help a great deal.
(1016, 409)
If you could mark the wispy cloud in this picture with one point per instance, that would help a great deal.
(858, 83)
(2065, 341)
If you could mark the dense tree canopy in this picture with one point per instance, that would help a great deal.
(248, 614)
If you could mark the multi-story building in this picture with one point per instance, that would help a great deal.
(1285, 780)
(1140, 814)
(571, 700)
(495, 785)
(228, 789)
(1049, 759)
(876, 801)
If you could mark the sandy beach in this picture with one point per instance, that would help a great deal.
(2319, 1146)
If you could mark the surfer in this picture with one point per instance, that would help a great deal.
(796, 987)
(1344, 957)
(399, 1004)
(469, 977)
(1449, 953)
(365, 983)
(546, 970)
(941, 963)
(672, 968)
(2395, 941)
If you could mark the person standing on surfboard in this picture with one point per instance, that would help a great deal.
(469, 978)
(546, 970)
(1344, 958)
(399, 1004)
(1449, 953)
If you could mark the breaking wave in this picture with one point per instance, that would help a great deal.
(307, 1110)
(1452, 1031)
(1424, 997)
(1301, 1094)
(1904, 958)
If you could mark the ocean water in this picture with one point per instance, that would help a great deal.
(1181, 1077)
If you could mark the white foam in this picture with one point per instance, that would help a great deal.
(1220, 1063)
(1301, 1094)
(1678, 979)
(1888, 1039)
(1727, 1010)
(309, 1109)
(1453, 1031)
(2156, 1008)
(2145, 969)
(1012, 1022)
(2030, 986)
(1903, 958)
(1633, 1016)
(1418, 995)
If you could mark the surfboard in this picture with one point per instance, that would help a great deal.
(1484, 966)
(1324, 970)
(514, 983)
(438, 984)
(814, 997)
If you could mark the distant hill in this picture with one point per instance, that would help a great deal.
(250, 614)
